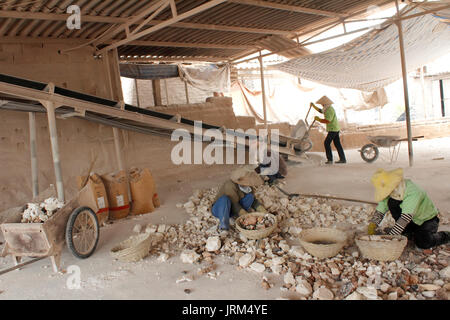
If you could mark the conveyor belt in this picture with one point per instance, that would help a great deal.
(98, 109)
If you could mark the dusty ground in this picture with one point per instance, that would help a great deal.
(104, 278)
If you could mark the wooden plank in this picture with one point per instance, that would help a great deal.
(163, 24)
(24, 239)
(120, 20)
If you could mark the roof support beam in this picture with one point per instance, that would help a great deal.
(163, 24)
(116, 20)
(142, 43)
(278, 6)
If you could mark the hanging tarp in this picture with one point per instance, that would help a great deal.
(360, 100)
(372, 61)
(149, 71)
(206, 77)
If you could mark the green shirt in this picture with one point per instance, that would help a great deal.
(415, 202)
(330, 115)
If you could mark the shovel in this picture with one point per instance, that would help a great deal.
(292, 195)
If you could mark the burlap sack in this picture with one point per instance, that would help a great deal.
(116, 185)
(94, 196)
(142, 188)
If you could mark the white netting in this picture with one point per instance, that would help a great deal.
(372, 61)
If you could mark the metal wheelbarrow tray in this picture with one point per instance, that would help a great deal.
(370, 152)
(75, 224)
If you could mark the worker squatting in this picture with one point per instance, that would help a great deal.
(257, 143)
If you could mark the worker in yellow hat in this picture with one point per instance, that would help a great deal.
(333, 129)
(414, 213)
(236, 196)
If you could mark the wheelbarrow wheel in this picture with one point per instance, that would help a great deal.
(369, 152)
(82, 232)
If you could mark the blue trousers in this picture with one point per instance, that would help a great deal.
(221, 209)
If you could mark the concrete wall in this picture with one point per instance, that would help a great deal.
(76, 70)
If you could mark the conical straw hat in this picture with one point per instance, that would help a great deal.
(246, 176)
(325, 101)
(385, 182)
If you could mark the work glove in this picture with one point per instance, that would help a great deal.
(242, 212)
(260, 208)
(317, 118)
(371, 228)
(314, 106)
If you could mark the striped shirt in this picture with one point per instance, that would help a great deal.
(400, 224)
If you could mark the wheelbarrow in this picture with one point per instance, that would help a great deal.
(370, 152)
(75, 224)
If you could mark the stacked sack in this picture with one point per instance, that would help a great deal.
(109, 197)
(143, 191)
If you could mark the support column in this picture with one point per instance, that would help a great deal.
(441, 91)
(112, 65)
(405, 85)
(167, 92)
(117, 148)
(55, 149)
(263, 93)
(156, 85)
(137, 93)
(33, 154)
(187, 92)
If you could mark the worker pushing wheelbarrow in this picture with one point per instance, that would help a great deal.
(370, 152)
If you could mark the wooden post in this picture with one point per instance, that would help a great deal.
(33, 153)
(167, 92)
(112, 66)
(405, 85)
(441, 90)
(55, 148)
(187, 92)
(156, 84)
(137, 93)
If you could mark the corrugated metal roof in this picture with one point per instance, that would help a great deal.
(222, 32)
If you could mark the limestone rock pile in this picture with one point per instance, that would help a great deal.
(418, 274)
(41, 212)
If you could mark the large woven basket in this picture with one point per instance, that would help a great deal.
(256, 234)
(377, 248)
(310, 240)
(133, 249)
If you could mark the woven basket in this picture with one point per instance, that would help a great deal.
(381, 250)
(133, 249)
(256, 234)
(335, 237)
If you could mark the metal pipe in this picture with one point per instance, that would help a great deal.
(263, 93)
(55, 149)
(405, 86)
(33, 154)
